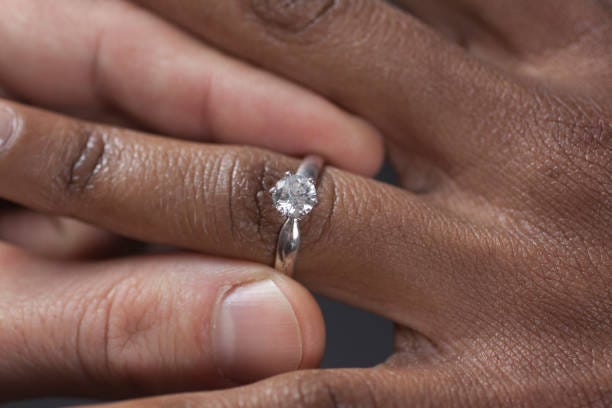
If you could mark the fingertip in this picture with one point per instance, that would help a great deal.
(316, 126)
(365, 152)
(272, 113)
(344, 140)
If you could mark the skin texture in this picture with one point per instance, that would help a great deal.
(69, 322)
(114, 63)
(493, 255)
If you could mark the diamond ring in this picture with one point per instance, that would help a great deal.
(294, 196)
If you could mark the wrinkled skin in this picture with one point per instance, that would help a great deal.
(493, 258)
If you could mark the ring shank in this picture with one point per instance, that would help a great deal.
(287, 247)
(311, 167)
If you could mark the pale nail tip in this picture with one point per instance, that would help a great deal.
(256, 333)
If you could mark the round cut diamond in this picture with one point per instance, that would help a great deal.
(294, 195)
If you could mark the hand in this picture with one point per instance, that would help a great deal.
(494, 261)
(57, 237)
(116, 63)
(132, 326)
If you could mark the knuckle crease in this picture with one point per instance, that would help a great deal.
(88, 163)
(291, 16)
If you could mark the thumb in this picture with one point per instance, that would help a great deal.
(149, 325)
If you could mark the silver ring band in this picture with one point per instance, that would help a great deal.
(294, 196)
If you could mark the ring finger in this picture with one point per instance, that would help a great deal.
(212, 199)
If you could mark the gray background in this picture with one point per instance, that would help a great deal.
(354, 338)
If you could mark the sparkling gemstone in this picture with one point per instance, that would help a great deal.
(294, 195)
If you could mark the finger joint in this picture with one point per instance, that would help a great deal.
(248, 217)
(292, 16)
(88, 162)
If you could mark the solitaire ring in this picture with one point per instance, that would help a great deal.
(294, 196)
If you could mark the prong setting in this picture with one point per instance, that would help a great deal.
(294, 195)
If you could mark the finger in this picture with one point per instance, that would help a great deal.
(322, 388)
(423, 91)
(441, 386)
(554, 42)
(57, 237)
(215, 199)
(115, 55)
(447, 384)
(148, 325)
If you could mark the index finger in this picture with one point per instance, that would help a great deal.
(366, 55)
(117, 57)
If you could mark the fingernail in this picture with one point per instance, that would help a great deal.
(256, 333)
(7, 126)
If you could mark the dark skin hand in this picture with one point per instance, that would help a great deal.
(493, 258)
(494, 262)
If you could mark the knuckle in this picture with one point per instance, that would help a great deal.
(296, 20)
(120, 321)
(320, 389)
(576, 129)
(291, 16)
(246, 175)
(87, 162)
(78, 168)
(582, 151)
(313, 391)
(571, 161)
(132, 315)
(587, 138)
